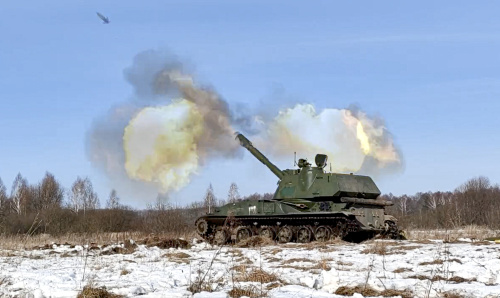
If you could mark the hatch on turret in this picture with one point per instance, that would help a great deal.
(321, 160)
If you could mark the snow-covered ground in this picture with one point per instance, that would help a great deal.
(423, 268)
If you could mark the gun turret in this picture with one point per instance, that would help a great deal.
(248, 145)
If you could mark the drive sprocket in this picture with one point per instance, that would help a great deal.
(201, 226)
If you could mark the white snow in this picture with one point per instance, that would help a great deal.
(428, 268)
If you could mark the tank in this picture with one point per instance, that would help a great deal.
(309, 204)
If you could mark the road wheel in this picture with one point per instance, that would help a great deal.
(339, 230)
(267, 232)
(322, 233)
(243, 233)
(220, 237)
(285, 234)
(304, 234)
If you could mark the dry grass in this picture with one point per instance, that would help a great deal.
(368, 291)
(118, 250)
(401, 270)
(394, 293)
(451, 294)
(440, 262)
(292, 245)
(274, 285)
(273, 260)
(257, 275)
(472, 232)
(241, 269)
(377, 247)
(322, 264)
(420, 277)
(236, 252)
(423, 241)
(261, 276)
(243, 260)
(250, 291)
(166, 243)
(33, 257)
(16, 242)
(67, 254)
(386, 247)
(46, 241)
(455, 279)
(316, 245)
(94, 292)
(200, 287)
(435, 262)
(402, 248)
(177, 255)
(128, 247)
(4, 281)
(7, 254)
(481, 243)
(256, 241)
(458, 279)
(455, 260)
(124, 272)
(328, 249)
(94, 242)
(275, 250)
(296, 260)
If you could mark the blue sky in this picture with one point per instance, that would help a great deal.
(431, 70)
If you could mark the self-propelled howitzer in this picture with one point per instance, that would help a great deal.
(309, 204)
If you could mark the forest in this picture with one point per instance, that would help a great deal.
(47, 207)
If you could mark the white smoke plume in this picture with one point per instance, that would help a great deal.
(353, 141)
(172, 126)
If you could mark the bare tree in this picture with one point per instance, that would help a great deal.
(113, 200)
(233, 194)
(82, 196)
(76, 195)
(254, 197)
(209, 200)
(51, 191)
(432, 201)
(476, 199)
(268, 196)
(47, 194)
(19, 194)
(161, 203)
(3, 194)
(403, 204)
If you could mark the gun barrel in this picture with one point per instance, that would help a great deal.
(244, 142)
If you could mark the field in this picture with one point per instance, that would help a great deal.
(423, 267)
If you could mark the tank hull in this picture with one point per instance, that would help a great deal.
(286, 222)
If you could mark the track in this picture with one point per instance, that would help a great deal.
(289, 228)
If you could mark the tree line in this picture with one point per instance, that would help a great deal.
(475, 202)
(47, 207)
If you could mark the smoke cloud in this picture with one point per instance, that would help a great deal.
(172, 126)
(166, 131)
(353, 141)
